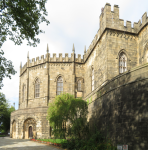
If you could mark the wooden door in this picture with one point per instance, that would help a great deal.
(30, 132)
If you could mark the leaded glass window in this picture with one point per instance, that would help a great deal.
(79, 85)
(92, 79)
(122, 63)
(59, 85)
(37, 88)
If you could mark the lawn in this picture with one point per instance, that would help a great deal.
(58, 141)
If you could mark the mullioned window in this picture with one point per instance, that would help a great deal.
(122, 63)
(59, 85)
(37, 88)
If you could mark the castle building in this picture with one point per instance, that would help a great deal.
(117, 56)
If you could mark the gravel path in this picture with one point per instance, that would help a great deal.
(7, 143)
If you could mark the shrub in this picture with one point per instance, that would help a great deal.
(94, 142)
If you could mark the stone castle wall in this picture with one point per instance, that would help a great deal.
(103, 55)
(41, 124)
(121, 104)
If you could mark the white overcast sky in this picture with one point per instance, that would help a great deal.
(71, 21)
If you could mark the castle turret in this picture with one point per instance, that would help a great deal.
(73, 68)
(73, 49)
(47, 74)
(47, 54)
(28, 55)
(27, 80)
(20, 84)
(47, 49)
(85, 50)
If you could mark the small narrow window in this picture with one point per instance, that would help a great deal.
(37, 88)
(79, 85)
(122, 63)
(23, 93)
(59, 85)
(92, 79)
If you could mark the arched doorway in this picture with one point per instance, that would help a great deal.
(30, 132)
(29, 128)
(14, 129)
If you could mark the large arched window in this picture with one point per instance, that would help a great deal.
(37, 88)
(92, 82)
(122, 63)
(23, 93)
(59, 85)
(79, 85)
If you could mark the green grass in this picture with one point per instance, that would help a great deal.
(58, 141)
(2, 135)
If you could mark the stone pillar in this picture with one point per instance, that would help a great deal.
(27, 80)
(20, 86)
(73, 71)
(47, 74)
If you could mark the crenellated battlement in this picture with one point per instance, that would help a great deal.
(40, 60)
(110, 20)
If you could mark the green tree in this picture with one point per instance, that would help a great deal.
(66, 108)
(20, 20)
(5, 113)
(6, 68)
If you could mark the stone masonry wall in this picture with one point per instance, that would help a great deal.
(121, 105)
(109, 87)
(38, 114)
(116, 43)
(143, 46)
(97, 60)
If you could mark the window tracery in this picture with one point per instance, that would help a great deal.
(59, 85)
(122, 63)
(37, 88)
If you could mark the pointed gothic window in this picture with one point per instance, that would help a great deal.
(79, 85)
(37, 88)
(59, 85)
(92, 85)
(122, 63)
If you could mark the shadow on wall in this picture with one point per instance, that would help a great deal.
(122, 107)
